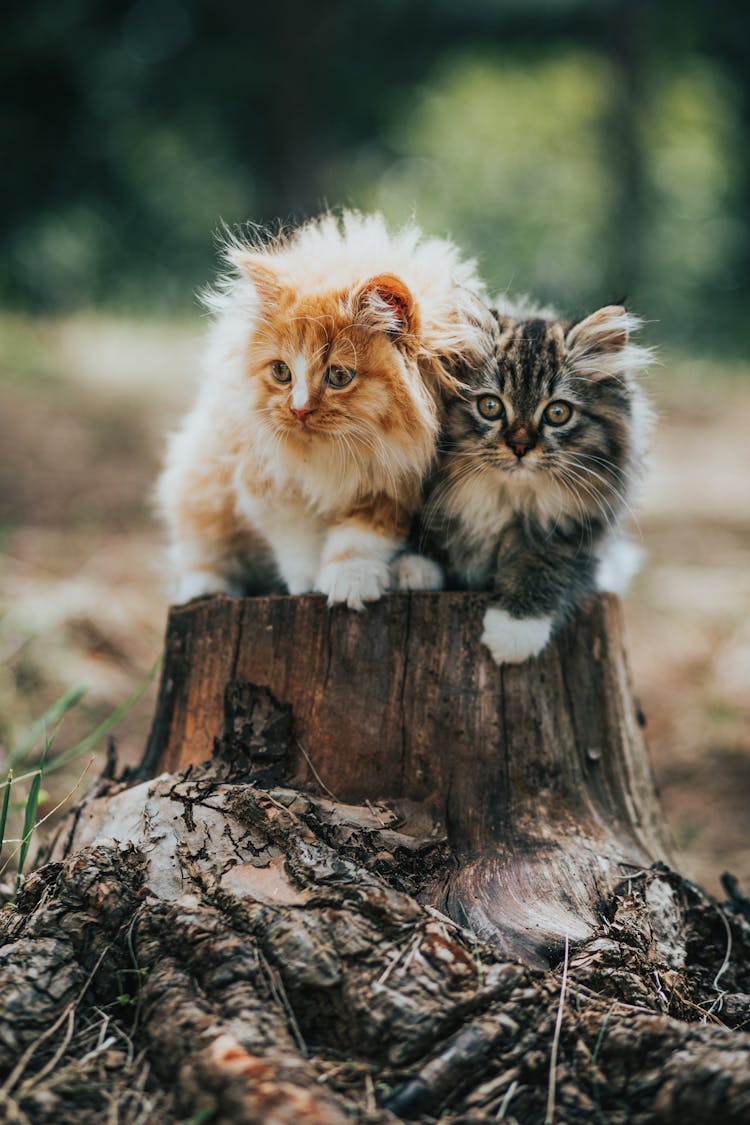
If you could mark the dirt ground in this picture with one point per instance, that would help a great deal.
(84, 406)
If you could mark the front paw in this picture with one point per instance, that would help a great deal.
(354, 581)
(513, 640)
(415, 572)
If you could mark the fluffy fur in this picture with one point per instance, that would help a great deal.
(285, 475)
(529, 508)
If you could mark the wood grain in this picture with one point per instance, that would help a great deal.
(538, 775)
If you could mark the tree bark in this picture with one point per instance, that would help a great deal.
(212, 948)
(220, 946)
(536, 777)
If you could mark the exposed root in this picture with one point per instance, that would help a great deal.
(248, 955)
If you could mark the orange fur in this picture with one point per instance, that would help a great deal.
(320, 328)
(380, 515)
(322, 479)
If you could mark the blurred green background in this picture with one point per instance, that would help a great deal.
(583, 150)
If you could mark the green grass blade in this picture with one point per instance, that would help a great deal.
(90, 741)
(29, 820)
(56, 713)
(4, 810)
(32, 804)
(40, 726)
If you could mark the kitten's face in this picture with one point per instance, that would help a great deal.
(551, 410)
(341, 367)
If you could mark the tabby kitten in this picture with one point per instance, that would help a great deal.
(539, 461)
(300, 466)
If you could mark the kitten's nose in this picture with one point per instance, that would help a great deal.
(520, 442)
(302, 412)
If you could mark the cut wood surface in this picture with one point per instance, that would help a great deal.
(537, 776)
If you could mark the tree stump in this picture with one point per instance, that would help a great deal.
(536, 776)
(231, 944)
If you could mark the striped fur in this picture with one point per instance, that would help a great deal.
(525, 507)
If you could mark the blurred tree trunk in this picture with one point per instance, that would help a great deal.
(728, 39)
(625, 42)
(297, 128)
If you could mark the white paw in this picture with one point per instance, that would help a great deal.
(354, 581)
(199, 583)
(415, 572)
(512, 640)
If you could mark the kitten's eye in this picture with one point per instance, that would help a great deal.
(339, 376)
(281, 372)
(490, 406)
(558, 413)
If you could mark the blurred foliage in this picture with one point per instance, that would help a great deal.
(481, 153)
(586, 150)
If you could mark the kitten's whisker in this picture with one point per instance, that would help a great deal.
(608, 484)
(614, 487)
(590, 476)
(316, 355)
(608, 513)
(314, 319)
(585, 518)
(573, 459)
(619, 494)
(343, 336)
(579, 481)
(604, 461)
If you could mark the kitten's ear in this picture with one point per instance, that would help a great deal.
(600, 346)
(606, 330)
(262, 274)
(384, 302)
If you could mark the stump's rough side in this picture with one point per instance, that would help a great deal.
(537, 775)
(207, 946)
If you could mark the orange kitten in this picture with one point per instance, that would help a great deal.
(302, 460)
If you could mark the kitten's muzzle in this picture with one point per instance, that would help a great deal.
(302, 412)
(520, 441)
